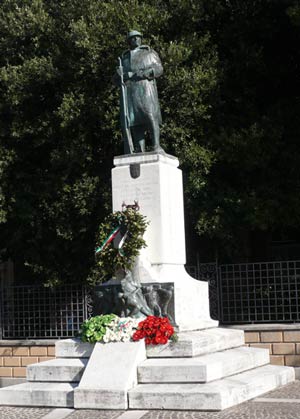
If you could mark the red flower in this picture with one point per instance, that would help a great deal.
(155, 330)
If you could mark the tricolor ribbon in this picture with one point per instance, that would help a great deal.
(109, 239)
(121, 243)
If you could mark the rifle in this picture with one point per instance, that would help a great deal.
(124, 113)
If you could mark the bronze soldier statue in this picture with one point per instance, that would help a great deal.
(140, 112)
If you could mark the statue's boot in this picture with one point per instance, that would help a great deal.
(155, 134)
(142, 146)
(138, 135)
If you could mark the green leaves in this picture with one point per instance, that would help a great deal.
(93, 329)
(110, 259)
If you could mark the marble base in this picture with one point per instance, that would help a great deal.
(156, 184)
(110, 373)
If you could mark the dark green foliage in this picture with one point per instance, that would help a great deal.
(252, 185)
(59, 127)
(230, 102)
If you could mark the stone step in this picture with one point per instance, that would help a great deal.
(198, 343)
(59, 370)
(73, 348)
(203, 368)
(38, 394)
(189, 344)
(217, 395)
(110, 373)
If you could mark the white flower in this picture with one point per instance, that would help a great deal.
(120, 329)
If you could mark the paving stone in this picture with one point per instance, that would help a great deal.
(247, 410)
(22, 412)
(95, 414)
(290, 391)
(168, 414)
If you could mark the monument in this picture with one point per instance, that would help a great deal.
(209, 368)
(154, 180)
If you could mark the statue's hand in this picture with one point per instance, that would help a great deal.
(149, 73)
(145, 74)
(127, 76)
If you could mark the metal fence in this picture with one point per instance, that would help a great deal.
(259, 292)
(30, 312)
(262, 292)
(239, 293)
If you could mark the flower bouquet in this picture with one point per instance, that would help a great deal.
(155, 330)
(108, 328)
(112, 328)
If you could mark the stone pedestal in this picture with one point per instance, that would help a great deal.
(155, 181)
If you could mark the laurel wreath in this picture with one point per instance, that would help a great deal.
(110, 259)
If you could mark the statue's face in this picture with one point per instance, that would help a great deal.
(134, 42)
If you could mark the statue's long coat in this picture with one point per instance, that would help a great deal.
(142, 95)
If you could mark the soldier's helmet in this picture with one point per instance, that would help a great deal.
(133, 33)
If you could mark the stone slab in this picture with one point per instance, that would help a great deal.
(148, 157)
(11, 381)
(297, 373)
(73, 348)
(202, 368)
(217, 395)
(38, 394)
(198, 343)
(158, 190)
(110, 373)
(27, 342)
(266, 326)
(60, 370)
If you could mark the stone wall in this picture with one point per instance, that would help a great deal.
(283, 341)
(16, 355)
